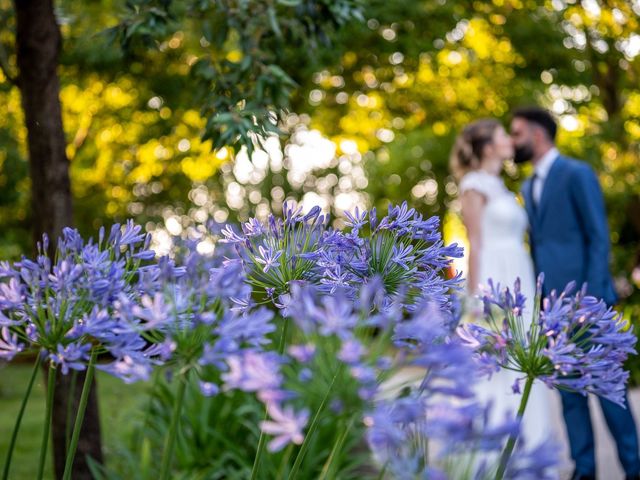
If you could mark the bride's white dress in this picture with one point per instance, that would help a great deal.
(503, 258)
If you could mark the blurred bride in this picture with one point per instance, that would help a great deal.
(496, 226)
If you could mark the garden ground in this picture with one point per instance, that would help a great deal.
(117, 404)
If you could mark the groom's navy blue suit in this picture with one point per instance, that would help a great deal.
(569, 240)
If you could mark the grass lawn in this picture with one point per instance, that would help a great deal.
(117, 402)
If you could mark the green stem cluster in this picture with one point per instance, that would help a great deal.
(167, 454)
(82, 407)
(329, 466)
(262, 441)
(51, 387)
(511, 443)
(312, 428)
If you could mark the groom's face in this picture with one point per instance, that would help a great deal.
(522, 136)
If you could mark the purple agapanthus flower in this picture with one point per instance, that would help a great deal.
(153, 312)
(297, 238)
(253, 372)
(351, 351)
(573, 342)
(405, 251)
(9, 344)
(66, 307)
(209, 389)
(356, 220)
(329, 315)
(286, 425)
(537, 463)
(302, 353)
(72, 356)
(12, 294)
(129, 369)
(267, 257)
(250, 327)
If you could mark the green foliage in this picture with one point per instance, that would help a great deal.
(213, 442)
(239, 74)
(219, 434)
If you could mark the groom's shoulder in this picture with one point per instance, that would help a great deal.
(575, 166)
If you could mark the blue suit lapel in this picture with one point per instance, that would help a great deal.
(528, 200)
(551, 184)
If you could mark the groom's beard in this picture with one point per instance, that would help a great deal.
(523, 153)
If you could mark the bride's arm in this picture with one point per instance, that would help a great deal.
(473, 204)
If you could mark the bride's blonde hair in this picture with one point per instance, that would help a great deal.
(466, 154)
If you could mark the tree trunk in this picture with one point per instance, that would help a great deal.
(38, 44)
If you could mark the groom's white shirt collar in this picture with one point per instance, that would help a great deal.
(545, 163)
(541, 171)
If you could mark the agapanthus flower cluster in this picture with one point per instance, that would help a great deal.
(63, 308)
(402, 248)
(341, 347)
(185, 313)
(345, 339)
(358, 308)
(191, 321)
(281, 251)
(434, 428)
(572, 341)
(344, 291)
(337, 331)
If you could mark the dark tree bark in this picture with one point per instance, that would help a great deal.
(38, 44)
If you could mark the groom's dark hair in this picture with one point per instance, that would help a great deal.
(540, 117)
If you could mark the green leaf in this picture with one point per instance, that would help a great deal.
(273, 22)
(289, 3)
(204, 69)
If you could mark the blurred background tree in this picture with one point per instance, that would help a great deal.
(371, 118)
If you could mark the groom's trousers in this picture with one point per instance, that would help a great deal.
(575, 408)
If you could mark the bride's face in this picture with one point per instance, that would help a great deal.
(502, 144)
(497, 151)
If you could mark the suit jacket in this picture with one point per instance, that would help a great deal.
(569, 234)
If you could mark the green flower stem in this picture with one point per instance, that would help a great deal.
(16, 427)
(383, 471)
(329, 466)
(51, 387)
(262, 441)
(259, 451)
(167, 454)
(381, 343)
(285, 461)
(283, 336)
(511, 443)
(69, 424)
(313, 426)
(82, 407)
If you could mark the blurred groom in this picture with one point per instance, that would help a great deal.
(569, 240)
